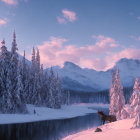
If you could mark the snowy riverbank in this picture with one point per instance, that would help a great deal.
(44, 113)
(120, 130)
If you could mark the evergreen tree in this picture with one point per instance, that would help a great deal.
(32, 77)
(58, 93)
(136, 89)
(25, 78)
(5, 83)
(38, 61)
(112, 83)
(20, 95)
(117, 99)
(111, 109)
(136, 123)
(14, 44)
(135, 102)
(51, 98)
(44, 87)
(33, 61)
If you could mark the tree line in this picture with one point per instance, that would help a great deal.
(22, 83)
(117, 100)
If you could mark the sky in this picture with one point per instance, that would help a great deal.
(93, 34)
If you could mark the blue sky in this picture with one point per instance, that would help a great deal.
(90, 33)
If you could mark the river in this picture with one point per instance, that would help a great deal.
(49, 129)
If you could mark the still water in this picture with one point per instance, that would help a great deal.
(50, 129)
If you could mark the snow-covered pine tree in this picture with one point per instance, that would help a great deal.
(135, 102)
(33, 61)
(13, 73)
(58, 93)
(32, 76)
(111, 110)
(136, 123)
(112, 82)
(38, 79)
(44, 87)
(25, 78)
(37, 90)
(37, 61)
(136, 89)
(52, 89)
(117, 101)
(5, 83)
(20, 95)
(14, 44)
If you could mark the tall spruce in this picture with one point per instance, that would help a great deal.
(5, 83)
(38, 61)
(25, 77)
(135, 98)
(136, 89)
(117, 100)
(52, 90)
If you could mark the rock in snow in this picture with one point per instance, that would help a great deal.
(120, 130)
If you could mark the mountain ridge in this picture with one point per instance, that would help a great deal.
(83, 79)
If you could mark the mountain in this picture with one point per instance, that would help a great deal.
(84, 79)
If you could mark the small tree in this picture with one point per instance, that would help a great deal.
(136, 123)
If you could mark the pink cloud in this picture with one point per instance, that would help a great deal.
(67, 16)
(112, 58)
(13, 2)
(135, 38)
(2, 22)
(10, 2)
(138, 18)
(55, 52)
(61, 20)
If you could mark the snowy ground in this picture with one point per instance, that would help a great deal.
(120, 130)
(43, 113)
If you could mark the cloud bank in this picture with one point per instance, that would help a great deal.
(101, 55)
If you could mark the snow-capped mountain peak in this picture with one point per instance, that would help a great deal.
(71, 66)
(84, 79)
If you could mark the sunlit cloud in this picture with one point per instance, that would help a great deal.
(55, 52)
(135, 38)
(67, 16)
(2, 22)
(13, 2)
(61, 20)
(112, 58)
(10, 2)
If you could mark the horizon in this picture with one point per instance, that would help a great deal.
(95, 34)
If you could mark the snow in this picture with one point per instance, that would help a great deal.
(44, 113)
(120, 130)
(98, 80)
